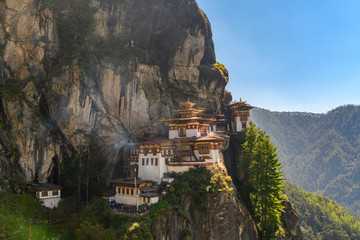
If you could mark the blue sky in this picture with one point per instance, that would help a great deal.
(283, 55)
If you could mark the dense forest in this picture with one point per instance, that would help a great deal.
(319, 152)
(321, 218)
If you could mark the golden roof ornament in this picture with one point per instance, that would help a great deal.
(188, 104)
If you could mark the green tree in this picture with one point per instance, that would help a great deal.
(96, 231)
(264, 180)
(83, 170)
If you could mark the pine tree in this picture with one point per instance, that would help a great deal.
(264, 180)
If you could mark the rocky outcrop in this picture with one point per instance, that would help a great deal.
(290, 223)
(153, 56)
(225, 218)
(29, 34)
(36, 146)
(229, 219)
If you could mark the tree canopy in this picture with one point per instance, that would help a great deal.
(264, 181)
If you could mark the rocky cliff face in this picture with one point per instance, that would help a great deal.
(225, 219)
(129, 64)
(290, 223)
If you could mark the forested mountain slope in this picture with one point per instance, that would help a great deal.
(319, 152)
(321, 218)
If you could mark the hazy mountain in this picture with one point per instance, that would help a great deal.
(319, 152)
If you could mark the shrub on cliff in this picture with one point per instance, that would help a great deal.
(193, 184)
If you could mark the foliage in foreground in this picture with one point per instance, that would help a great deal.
(321, 218)
(96, 221)
(16, 213)
(264, 180)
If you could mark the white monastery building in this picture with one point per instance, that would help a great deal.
(240, 112)
(190, 143)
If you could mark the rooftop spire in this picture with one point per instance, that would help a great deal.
(188, 105)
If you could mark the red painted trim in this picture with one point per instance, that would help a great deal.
(181, 164)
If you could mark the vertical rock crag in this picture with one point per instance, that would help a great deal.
(154, 54)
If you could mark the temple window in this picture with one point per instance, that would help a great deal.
(143, 161)
(127, 191)
(55, 192)
(243, 125)
(243, 117)
(203, 131)
(44, 194)
(156, 161)
(147, 161)
(152, 162)
(123, 190)
(132, 191)
(203, 149)
(182, 132)
(166, 161)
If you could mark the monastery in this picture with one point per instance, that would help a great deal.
(192, 142)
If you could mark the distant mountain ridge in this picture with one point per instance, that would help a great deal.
(319, 152)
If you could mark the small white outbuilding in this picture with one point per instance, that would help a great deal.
(48, 193)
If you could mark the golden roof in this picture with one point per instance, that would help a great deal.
(242, 105)
(188, 105)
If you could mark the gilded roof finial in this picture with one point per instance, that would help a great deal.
(188, 104)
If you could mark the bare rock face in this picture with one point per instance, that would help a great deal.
(154, 55)
(175, 60)
(26, 36)
(225, 218)
(30, 34)
(290, 223)
(34, 142)
(229, 219)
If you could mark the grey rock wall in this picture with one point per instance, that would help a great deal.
(114, 100)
